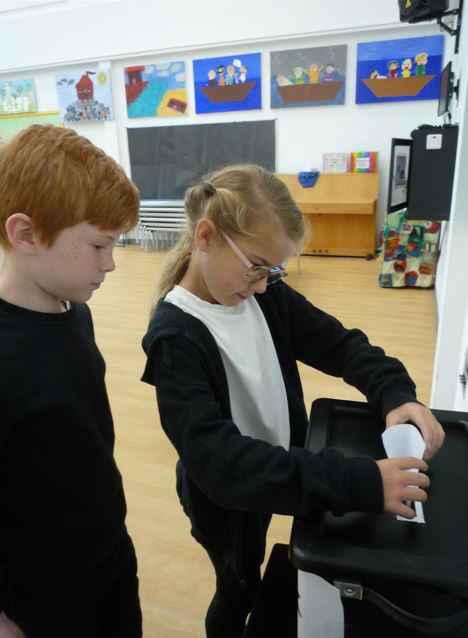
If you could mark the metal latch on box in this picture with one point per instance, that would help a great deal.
(349, 589)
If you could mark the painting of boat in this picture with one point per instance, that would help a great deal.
(398, 87)
(228, 92)
(156, 90)
(400, 70)
(228, 83)
(309, 92)
(133, 91)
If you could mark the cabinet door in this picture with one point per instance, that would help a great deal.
(344, 235)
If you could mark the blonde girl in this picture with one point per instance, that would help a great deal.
(222, 347)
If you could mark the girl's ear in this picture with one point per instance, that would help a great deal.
(20, 233)
(205, 234)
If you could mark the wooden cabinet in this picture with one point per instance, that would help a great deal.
(342, 209)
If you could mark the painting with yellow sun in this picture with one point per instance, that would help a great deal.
(85, 95)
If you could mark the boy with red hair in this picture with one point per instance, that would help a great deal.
(68, 566)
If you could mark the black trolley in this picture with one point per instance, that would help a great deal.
(396, 578)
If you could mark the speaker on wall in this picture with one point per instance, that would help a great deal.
(432, 167)
(421, 10)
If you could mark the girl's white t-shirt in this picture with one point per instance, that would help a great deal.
(259, 404)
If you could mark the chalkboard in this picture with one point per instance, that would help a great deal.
(166, 160)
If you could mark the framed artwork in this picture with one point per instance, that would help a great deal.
(156, 90)
(399, 70)
(17, 96)
(228, 83)
(363, 161)
(399, 174)
(85, 96)
(308, 77)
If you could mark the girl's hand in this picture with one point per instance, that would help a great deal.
(432, 431)
(399, 485)
(8, 629)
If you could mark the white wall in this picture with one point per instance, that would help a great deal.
(41, 37)
(119, 32)
(452, 337)
(52, 32)
(461, 392)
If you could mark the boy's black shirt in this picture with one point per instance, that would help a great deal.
(62, 506)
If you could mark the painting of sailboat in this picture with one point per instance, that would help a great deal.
(228, 83)
(308, 77)
(398, 70)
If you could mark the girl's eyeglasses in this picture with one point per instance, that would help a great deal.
(256, 273)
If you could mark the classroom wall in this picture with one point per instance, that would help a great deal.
(452, 284)
(42, 33)
(40, 38)
(119, 34)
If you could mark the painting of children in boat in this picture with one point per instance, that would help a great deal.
(228, 83)
(399, 70)
(308, 77)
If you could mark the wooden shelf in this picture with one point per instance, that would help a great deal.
(342, 209)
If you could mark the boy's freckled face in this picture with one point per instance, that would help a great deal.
(77, 262)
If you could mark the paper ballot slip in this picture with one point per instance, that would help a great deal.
(405, 439)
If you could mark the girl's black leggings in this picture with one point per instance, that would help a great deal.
(233, 600)
(237, 579)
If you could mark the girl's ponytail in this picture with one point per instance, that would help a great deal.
(175, 265)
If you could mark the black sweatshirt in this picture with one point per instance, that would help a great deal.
(62, 506)
(232, 472)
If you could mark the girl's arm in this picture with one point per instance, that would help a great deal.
(239, 472)
(323, 342)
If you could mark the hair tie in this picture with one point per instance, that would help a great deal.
(208, 188)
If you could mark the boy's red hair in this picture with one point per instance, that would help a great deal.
(60, 179)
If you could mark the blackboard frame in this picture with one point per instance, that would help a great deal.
(166, 160)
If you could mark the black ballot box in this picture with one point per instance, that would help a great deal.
(396, 577)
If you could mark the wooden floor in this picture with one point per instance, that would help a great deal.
(175, 576)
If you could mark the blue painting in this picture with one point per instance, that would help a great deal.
(228, 83)
(399, 70)
(308, 77)
(156, 90)
(85, 96)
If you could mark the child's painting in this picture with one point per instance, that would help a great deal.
(399, 70)
(17, 96)
(308, 77)
(156, 90)
(85, 96)
(228, 83)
